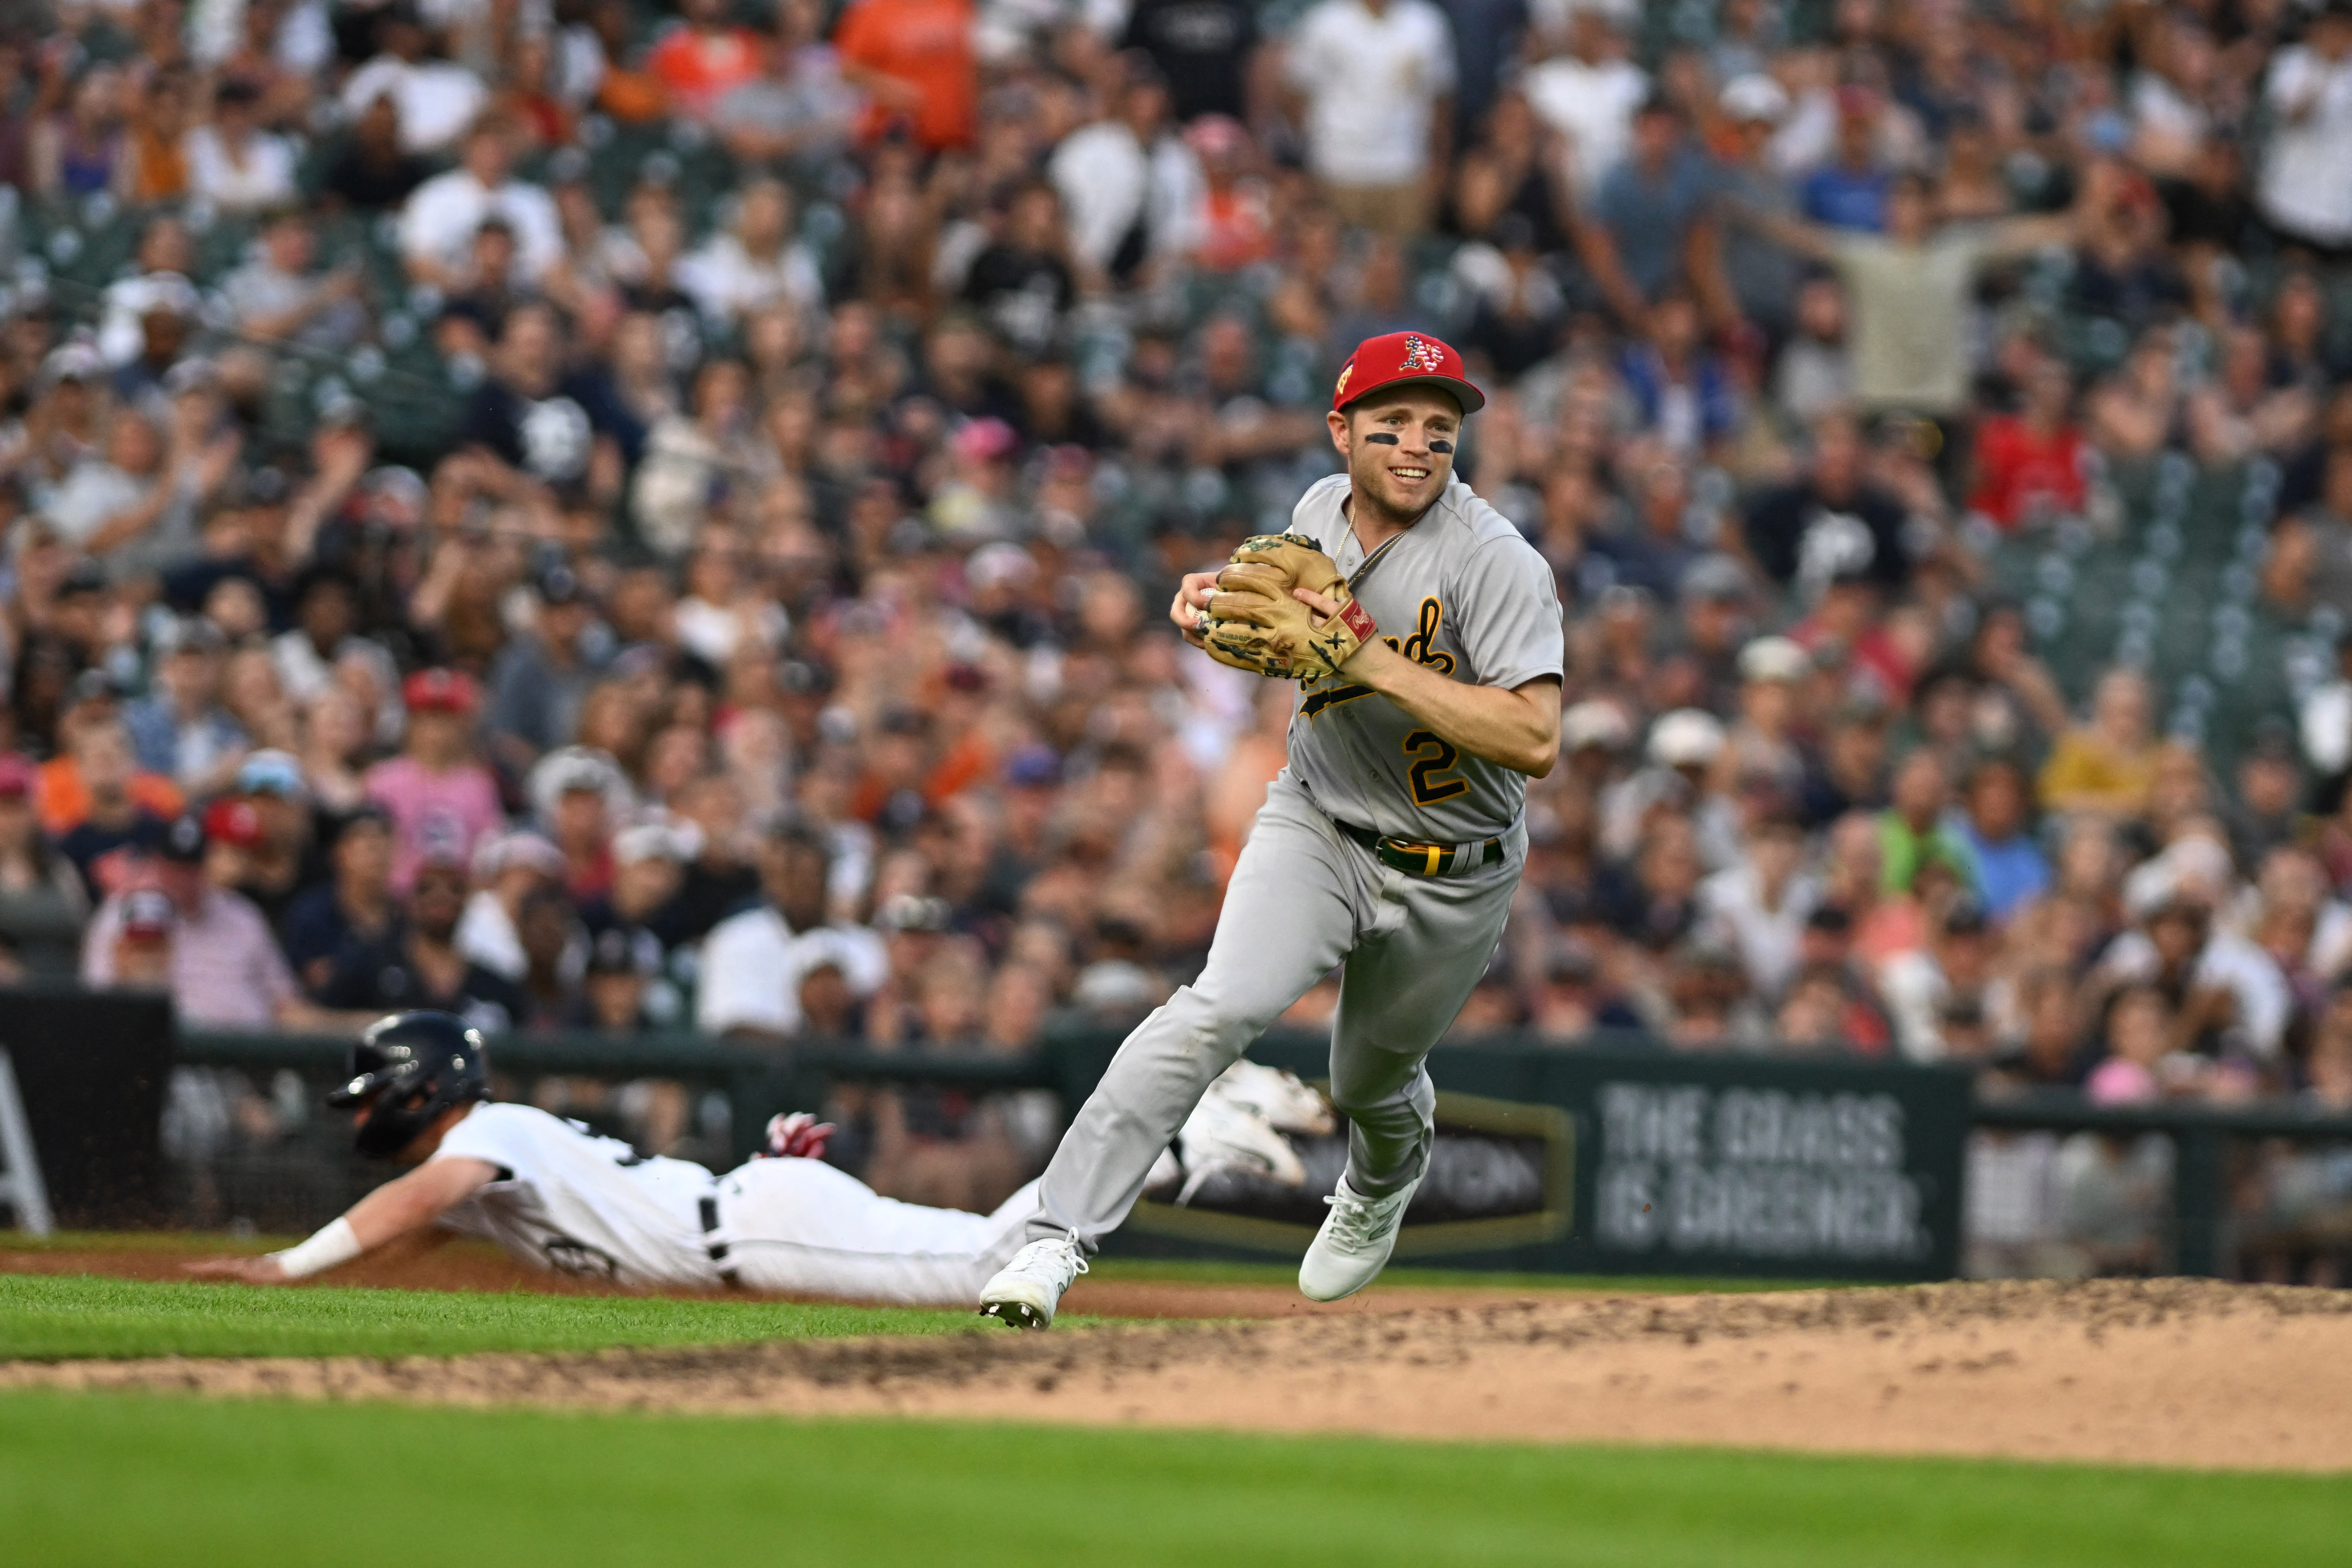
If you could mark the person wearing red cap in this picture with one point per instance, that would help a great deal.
(1394, 835)
(441, 800)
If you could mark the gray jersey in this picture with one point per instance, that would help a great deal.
(1461, 593)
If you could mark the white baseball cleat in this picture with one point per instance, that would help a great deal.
(1025, 1291)
(1354, 1244)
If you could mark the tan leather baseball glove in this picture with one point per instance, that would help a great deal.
(1254, 622)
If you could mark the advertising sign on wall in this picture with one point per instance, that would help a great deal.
(1624, 1162)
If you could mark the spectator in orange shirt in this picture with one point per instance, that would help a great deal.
(118, 805)
(704, 60)
(158, 167)
(1234, 223)
(914, 59)
(628, 92)
(62, 796)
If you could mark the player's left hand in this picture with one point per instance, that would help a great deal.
(261, 1270)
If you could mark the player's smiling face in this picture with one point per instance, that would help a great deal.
(1400, 446)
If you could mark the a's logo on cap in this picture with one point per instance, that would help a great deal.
(1420, 354)
(1340, 390)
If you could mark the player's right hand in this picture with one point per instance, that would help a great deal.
(261, 1270)
(1191, 602)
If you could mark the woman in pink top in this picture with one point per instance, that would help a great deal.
(441, 800)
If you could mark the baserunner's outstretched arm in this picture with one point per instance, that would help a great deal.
(400, 1208)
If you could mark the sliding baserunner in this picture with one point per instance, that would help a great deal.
(559, 1197)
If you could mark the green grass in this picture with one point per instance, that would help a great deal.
(51, 1317)
(169, 1482)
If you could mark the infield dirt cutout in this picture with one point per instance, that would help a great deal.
(2169, 1372)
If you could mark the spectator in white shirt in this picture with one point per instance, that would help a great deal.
(758, 263)
(436, 226)
(1759, 906)
(1589, 94)
(752, 962)
(1128, 183)
(2305, 189)
(276, 297)
(2230, 986)
(232, 163)
(1930, 991)
(437, 100)
(2325, 718)
(158, 279)
(1377, 78)
(2169, 98)
(139, 485)
(508, 869)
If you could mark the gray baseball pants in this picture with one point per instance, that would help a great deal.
(1303, 900)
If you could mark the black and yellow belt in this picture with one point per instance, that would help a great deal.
(1419, 859)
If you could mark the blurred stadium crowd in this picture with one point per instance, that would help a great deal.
(595, 516)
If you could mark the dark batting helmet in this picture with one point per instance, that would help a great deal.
(409, 1068)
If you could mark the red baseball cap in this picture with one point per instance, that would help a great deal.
(438, 691)
(1399, 359)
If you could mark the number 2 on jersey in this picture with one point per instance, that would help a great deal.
(1428, 788)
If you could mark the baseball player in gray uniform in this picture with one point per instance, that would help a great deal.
(1426, 636)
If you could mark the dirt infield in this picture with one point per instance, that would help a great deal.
(2171, 1371)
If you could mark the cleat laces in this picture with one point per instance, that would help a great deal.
(1352, 1220)
(1052, 1254)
